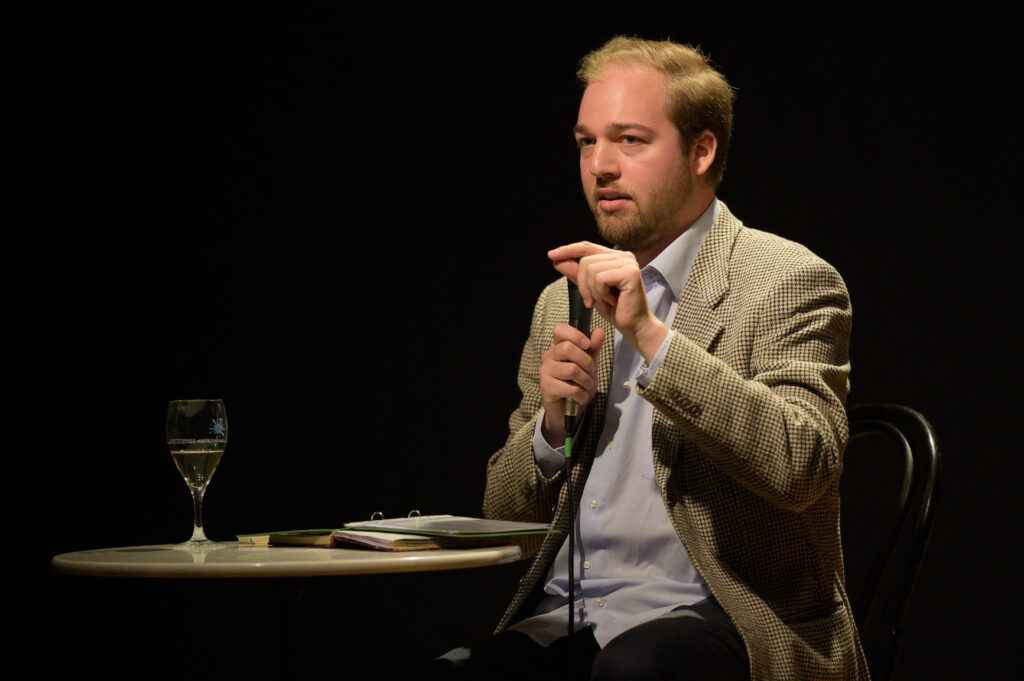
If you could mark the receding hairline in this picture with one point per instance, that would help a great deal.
(664, 56)
(626, 63)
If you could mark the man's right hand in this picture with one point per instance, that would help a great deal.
(568, 369)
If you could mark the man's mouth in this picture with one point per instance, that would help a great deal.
(612, 199)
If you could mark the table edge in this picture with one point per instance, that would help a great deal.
(406, 561)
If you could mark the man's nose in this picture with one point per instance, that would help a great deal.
(603, 162)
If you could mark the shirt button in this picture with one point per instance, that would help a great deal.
(600, 602)
(611, 445)
(626, 385)
(593, 503)
(586, 564)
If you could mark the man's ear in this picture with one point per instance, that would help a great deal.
(702, 154)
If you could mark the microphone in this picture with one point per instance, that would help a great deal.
(579, 318)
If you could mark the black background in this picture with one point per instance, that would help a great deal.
(337, 222)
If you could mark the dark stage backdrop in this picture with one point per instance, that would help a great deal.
(337, 222)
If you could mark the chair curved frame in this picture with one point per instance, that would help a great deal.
(896, 564)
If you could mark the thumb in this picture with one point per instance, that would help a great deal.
(567, 267)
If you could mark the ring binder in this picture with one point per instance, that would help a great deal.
(379, 515)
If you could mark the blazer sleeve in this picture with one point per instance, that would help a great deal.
(780, 430)
(516, 487)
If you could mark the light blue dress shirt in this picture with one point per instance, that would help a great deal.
(630, 565)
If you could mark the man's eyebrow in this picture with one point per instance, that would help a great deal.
(614, 127)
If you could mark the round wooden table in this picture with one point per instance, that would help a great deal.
(239, 561)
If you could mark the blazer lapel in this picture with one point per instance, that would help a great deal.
(697, 315)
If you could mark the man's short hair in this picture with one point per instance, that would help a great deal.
(700, 98)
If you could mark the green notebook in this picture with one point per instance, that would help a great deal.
(289, 537)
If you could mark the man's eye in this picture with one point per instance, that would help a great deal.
(629, 139)
(584, 142)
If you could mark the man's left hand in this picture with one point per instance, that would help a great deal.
(611, 283)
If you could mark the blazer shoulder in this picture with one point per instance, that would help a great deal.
(553, 289)
(768, 257)
(749, 262)
(555, 295)
(552, 304)
(752, 242)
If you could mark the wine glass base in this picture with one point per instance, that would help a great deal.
(197, 542)
(199, 550)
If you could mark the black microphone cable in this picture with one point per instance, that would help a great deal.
(579, 318)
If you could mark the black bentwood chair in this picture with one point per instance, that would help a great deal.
(888, 491)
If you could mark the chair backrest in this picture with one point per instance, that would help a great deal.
(888, 491)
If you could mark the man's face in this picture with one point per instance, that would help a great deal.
(635, 174)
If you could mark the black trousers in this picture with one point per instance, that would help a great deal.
(697, 643)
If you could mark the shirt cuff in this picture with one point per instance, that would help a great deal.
(549, 459)
(645, 374)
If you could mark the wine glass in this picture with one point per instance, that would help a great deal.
(197, 433)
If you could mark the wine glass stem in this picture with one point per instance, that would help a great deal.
(197, 514)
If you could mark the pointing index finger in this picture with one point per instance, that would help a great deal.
(576, 250)
(564, 257)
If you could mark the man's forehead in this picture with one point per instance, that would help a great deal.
(627, 94)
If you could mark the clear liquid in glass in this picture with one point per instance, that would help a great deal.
(197, 461)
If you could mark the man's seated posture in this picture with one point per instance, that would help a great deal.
(712, 389)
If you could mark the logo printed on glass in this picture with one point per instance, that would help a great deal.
(217, 427)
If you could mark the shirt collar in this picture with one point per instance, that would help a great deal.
(673, 264)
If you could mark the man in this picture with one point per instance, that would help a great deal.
(713, 386)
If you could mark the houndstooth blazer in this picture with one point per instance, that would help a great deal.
(748, 433)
